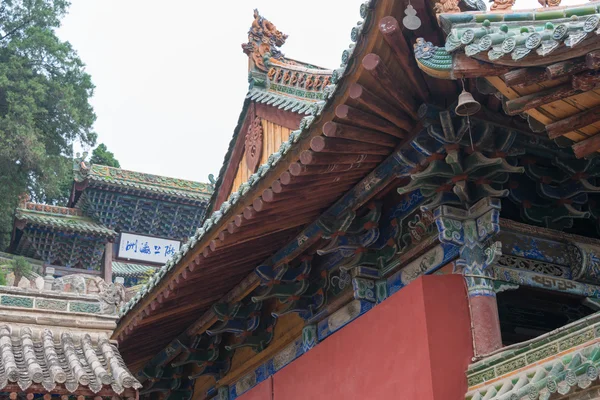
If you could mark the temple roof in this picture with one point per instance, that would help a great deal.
(524, 36)
(249, 253)
(60, 218)
(43, 362)
(130, 270)
(99, 175)
(540, 63)
(277, 81)
(559, 362)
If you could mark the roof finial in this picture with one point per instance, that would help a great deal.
(264, 41)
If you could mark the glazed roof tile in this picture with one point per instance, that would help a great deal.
(145, 182)
(72, 361)
(281, 101)
(519, 34)
(60, 218)
(560, 362)
(130, 270)
(330, 91)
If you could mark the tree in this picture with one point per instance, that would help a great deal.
(102, 156)
(44, 107)
(21, 268)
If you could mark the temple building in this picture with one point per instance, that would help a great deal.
(54, 341)
(421, 222)
(118, 223)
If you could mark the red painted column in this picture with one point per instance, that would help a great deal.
(417, 344)
(486, 324)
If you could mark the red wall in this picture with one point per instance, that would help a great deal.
(415, 345)
(262, 391)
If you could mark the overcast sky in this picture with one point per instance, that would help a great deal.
(171, 76)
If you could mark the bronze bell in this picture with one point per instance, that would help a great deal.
(467, 105)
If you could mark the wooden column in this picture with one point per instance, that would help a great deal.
(108, 255)
(472, 231)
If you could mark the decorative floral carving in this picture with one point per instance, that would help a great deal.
(254, 139)
(263, 40)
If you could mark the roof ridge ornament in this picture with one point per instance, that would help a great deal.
(457, 6)
(502, 4)
(264, 41)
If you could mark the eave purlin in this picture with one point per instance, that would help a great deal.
(368, 187)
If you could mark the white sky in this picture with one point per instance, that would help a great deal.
(171, 76)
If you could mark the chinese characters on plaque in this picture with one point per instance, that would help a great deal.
(147, 248)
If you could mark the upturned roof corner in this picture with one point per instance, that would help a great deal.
(264, 40)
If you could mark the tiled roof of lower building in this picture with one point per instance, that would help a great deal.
(72, 362)
(550, 366)
(60, 218)
(131, 270)
(144, 182)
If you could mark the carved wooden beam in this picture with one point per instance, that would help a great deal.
(524, 76)
(587, 146)
(464, 66)
(586, 81)
(565, 68)
(573, 122)
(592, 59)
(529, 76)
(524, 103)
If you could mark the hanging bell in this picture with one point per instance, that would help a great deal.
(467, 105)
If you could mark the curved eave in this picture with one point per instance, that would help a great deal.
(524, 38)
(151, 191)
(54, 224)
(190, 262)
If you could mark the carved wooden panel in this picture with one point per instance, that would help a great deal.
(254, 142)
(272, 137)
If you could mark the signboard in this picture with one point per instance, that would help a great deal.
(147, 248)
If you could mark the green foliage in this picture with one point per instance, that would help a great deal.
(102, 156)
(44, 108)
(2, 278)
(20, 267)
